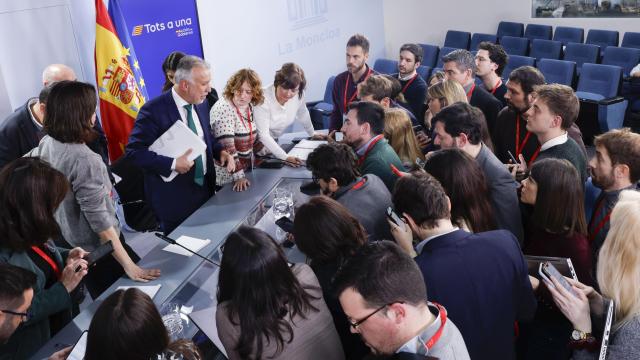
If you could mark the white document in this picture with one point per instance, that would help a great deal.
(191, 243)
(150, 290)
(304, 148)
(205, 320)
(175, 142)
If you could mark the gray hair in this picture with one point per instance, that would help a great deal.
(463, 59)
(186, 64)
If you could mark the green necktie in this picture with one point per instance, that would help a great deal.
(199, 177)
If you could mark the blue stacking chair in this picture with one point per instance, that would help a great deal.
(557, 71)
(591, 193)
(537, 31)
(424, 72)
(457, 39)
(567, 35)
(430, 54)
(506, 28)
(631, 40)
(443, 51)
(386, 66)
(321, 110)
(477, 38)
(599, 86)
(515, 45)
(545, 49)
(626, 58)
(580, 54)
(515, 61)
(602, 38)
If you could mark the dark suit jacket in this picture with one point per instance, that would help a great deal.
(483, 282)
(18, 135)
(489, 105)
(172, 202)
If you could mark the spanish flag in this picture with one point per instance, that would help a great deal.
(121, 88)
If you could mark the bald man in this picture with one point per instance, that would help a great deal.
(21, 131)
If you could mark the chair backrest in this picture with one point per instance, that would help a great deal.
(424, 72)
(515, 61)
(443, 51)
(515, 45)
(631, 40)
(566, 35)
(537, 31)
(477, 38)
(386, 66)
(506, 28)
(457, 39)
(328, 90)
(602, 38)
(430, 54)
(557, 71)
(581, 53)
(600, 79)
(626, 58)
(545, 49)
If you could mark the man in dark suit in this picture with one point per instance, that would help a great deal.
(459, 65)
(460, 126)
(21, 131)
(173, 201)
(481, 279)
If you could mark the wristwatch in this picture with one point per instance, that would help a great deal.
(578, 335)
(582, 340)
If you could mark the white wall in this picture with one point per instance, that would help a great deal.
(427, 21)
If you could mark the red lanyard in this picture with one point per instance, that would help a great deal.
(470, 93)
(520, 147)
(346, 88)
(371, 145)
(245, 125)
(498, 83)
(408, 83)
(49, 260)
(434, 339)
(601, 224)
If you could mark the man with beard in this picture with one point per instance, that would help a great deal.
(414, 88)
(334, 168)
(16, 293)
(615, 167)
(511, 132)
(345, 85)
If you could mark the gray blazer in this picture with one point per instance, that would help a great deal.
(624, 343)
(502, 192)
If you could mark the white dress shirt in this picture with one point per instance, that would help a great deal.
(558, 140)
(272, 119)
(180, 103)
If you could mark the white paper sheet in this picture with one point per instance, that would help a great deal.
(175, 142)
(150, 290)
(304, 148)
(191, 243)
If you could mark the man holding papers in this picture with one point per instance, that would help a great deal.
(179, 174)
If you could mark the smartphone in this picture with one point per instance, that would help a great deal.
(97, 254)
(79, 349)
(339, 135)
(285, 224)
(418, 128)
(548, 271)
(513, 158)
(395, 218)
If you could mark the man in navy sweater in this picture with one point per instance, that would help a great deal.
(481, 278)
(414, 87)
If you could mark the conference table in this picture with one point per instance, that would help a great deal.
(190, 282)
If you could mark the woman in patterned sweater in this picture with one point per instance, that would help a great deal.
(233, 125)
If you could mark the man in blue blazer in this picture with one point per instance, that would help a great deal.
(173, 201)
(481, 279)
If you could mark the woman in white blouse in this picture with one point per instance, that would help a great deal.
(283, 104)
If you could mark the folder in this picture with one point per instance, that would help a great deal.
(175, 142)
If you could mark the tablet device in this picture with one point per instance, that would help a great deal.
(563, 265)
(609, 318)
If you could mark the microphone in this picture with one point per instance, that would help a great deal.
(173, 242)
(280, 160)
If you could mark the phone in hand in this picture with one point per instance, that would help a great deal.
(417, 129)
(339, 135)
(548, 271)
(513, 158)
(391, 215)
(97, 254)
(285, 224)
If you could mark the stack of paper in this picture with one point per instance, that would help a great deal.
(191, 243)
(175, 142)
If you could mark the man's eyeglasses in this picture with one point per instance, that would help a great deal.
(355, 324)
(26, 316)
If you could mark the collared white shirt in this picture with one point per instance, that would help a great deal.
(33, 117)
(415, 345)
(180, 103)
(363, 149)
(272, 119)
(408, 77)
(425, 241)
(558, 140)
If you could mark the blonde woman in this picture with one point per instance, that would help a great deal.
(441, 94)
(399, 132)
(618, 274)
